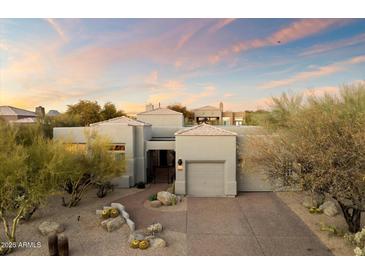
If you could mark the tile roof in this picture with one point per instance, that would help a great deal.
(209, 108)
(11, 111)
(123, 120)
(205, 130)
(157, 111)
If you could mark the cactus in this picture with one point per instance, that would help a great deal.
(63, 248)
(53, 245)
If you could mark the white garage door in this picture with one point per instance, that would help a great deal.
(205, 179)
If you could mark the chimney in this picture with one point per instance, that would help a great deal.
(149, 107)
(221, 107)
(40, 111)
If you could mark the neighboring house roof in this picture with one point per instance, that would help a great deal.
(12, 111)
(207, 108)
(28, 120)
(123, 120)
(160, 111)
(53, 112)
(205, 130)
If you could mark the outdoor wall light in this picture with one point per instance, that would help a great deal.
(179, 164)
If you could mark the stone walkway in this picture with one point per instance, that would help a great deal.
(250, 224)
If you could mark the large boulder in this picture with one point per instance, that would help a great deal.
(329, 208)
(157, 243)
(125, 214)
(313, 200)
(155, 203)
(114, 223)
(154, 228)
(105, 222)
(131, 225)
(166, 198)
(47, 228)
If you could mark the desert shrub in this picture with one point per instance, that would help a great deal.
(358, 240)
(318, 145)
(152, 197)
(32, 166)
(93, 166)
(332, 230)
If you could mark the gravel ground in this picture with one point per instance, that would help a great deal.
(86, 236)
(337, 245)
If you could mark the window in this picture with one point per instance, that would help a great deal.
(119, 153)
(117, 147)
(75, 147)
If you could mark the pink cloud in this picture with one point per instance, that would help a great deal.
(57, 28)
(295, 31)
(221, 24)
(316, 49)
(321, 71)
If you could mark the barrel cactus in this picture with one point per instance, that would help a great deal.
(114, 213)
(144, 244)
(135, 244)
(105, 214)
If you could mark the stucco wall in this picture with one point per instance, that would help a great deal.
(212, 148)
(249, 179)
(162, 120)
(167, 132)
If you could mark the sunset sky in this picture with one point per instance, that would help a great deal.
(196, 62)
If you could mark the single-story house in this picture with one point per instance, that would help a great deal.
(202, 160)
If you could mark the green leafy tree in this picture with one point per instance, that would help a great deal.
(83, 113)
(318, 145)
(188, 115)
(109, 111)
(255, 118)
(88, 111)
(31, 171)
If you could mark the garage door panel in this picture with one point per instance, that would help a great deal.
(205, 179)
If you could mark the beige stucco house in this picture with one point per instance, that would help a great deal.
(203, 160)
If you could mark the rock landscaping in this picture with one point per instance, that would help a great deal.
(47, 228)
(147, 238)
(316, 204)
(313, 201)
(114, 216)
(164, 198)
(329, 208)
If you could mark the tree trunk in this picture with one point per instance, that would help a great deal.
(10, 232)
(352, 217)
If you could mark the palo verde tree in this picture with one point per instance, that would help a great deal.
(94, 165)
(30, 172)
(318, 145)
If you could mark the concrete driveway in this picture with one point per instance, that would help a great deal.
(250, 224)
